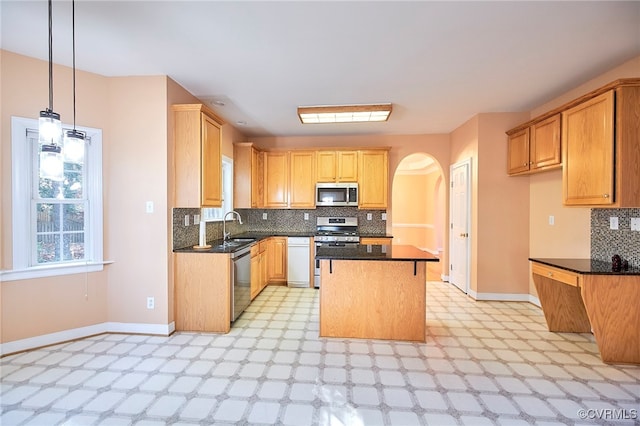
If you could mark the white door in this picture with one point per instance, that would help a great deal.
(460, 213)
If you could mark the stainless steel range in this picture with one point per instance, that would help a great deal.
(334, 232)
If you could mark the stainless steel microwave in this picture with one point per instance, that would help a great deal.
(337, 194)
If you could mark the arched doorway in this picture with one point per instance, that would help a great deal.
(419, 206)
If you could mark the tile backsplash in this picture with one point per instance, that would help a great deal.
(606, 242)
(278, 220)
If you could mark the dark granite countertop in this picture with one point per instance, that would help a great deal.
(218, 247)
(585, 266)
(376, 236)
(374, 252)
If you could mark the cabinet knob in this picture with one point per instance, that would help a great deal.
(605, 196)
(531, 163)
(550, 274)
(525, 164)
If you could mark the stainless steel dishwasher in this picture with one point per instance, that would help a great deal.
(240, 281)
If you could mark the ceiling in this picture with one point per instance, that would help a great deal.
(438, 63)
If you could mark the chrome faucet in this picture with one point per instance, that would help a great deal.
(226, 234)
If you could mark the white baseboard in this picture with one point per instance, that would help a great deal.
(444, 278)
(82, 332)
(504, 297)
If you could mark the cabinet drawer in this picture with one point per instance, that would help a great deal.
(375, 240)
(556, 274)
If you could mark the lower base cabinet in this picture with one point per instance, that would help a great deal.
(202, 297)
(258, 268)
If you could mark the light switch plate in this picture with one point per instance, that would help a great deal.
(613, 222)
(264, 216)
(384, 216)
(186, 220)
(306, 216)
(635, 223)
(552, 220)
(149, 206)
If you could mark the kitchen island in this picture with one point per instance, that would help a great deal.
(585, 295)
(373, 291)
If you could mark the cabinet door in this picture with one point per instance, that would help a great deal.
(326, 166)
(276, 179)
(545, 143)
(256, 277)
(372, 181)
(302, 182)
(278, 259)
(588, 152)
(347, 166)
(257, 171)
(211, 164)
(518, 152)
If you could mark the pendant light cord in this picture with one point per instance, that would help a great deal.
(73, 41)
(50, 56)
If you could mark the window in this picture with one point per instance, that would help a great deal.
(217, 214)
(57, 226)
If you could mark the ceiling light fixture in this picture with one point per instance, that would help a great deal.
(50, 127)
(73, 139)
(344, 113)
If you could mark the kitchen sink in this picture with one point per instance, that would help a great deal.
(240, 240)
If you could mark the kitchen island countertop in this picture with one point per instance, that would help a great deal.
(585, 266)
(374, 252)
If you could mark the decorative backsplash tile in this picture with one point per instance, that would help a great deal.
(606, 242)
(278, 221)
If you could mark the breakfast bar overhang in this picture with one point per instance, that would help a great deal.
(373, 291)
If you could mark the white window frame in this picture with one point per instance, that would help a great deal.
(23, 173)
(216, 214)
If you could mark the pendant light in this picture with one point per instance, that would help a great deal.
(73, 139)
(50, 127)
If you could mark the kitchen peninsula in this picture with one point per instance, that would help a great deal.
(373, 291)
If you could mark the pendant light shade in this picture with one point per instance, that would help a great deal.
(74, 141)
(49, 128)
(51, 162)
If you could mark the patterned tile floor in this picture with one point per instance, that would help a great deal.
(484, 363)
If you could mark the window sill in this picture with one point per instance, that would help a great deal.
(52, 270)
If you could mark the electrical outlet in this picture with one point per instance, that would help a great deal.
(149, 206)
(384, 216)
(196, 219)
(264, 216)
(613, 222)
(552, 220)
(369, 216)
(635, 223)
(186, 220)
(151, 302)
(306, 216)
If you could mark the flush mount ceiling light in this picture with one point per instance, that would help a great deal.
(344, 113)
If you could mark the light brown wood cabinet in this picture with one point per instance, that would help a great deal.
(247, 176)
(202, 296)
(302, 179)
(198, 156)
(276, 179)
(337, 166)
(373, 179)
(383, 241)
(277, 257)
(258, 267)
(601, 149)
(535, 148)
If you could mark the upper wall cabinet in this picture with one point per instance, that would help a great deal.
(276, 179)
(248, 191)
(337, 166)
(601, 148)
(198, 156)
(535, 148)
(302, 183)
(373, 179)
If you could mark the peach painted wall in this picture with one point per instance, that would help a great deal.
(570, 236)
(415, 201)
(437, 146)
(499, 205)
(40, 306)
(135, 171)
